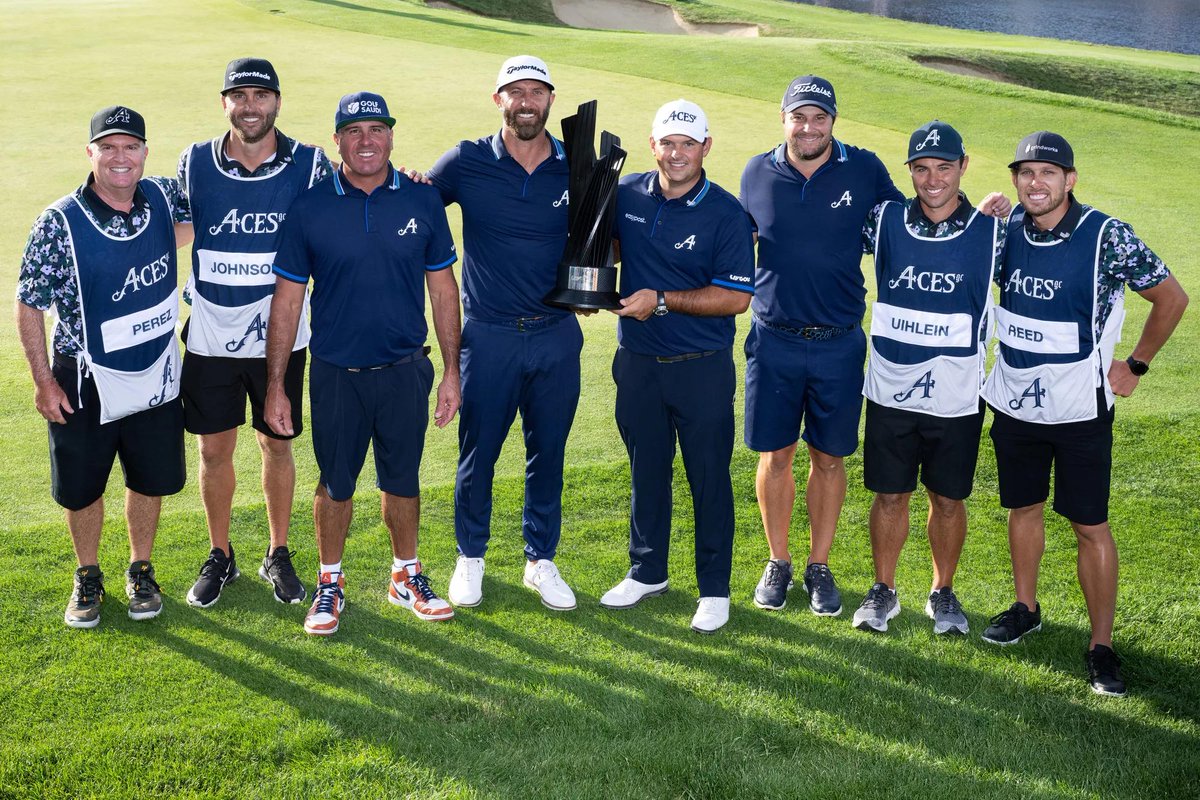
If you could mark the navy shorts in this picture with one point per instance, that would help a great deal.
(793, 382)
(1081, 453)
(148, 443)
(215, 388)
(899, 444)
(387, 408)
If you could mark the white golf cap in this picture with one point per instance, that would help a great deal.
(523, 68)
(680, 116)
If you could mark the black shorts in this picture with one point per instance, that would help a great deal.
(1081, 453)
(898, 444)
(149, 444)
(214, 391)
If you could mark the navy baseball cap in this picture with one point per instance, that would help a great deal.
(117, 119)
(935, 139)
(360, 106)
(809, 90)
(1045, 146)
(251, 72)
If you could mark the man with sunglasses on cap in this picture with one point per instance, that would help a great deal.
(935, 259)
(103, 258)
(371, 240)
(518, 354)
(687, 269)
(240, 186)
(1062, 292)
(809, 198)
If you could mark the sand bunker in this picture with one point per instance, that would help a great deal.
(958, 67)
(639, 15)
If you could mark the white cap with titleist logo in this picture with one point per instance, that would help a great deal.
(680, 116)
(523, 68)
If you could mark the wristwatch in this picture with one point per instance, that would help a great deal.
(660, 310)
(1138, 368)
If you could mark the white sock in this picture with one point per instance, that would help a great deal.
(405, 563)
(332, 569)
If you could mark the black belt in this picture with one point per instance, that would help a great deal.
(408, 359)
(814, 333)
(684, 357)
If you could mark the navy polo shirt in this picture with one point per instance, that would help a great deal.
(810, 234)
(367, 256)
(701, 238)
(514, 226)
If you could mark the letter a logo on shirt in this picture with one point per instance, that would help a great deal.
(845, 198)
(565, 200)
(411, 227)
(688, 243)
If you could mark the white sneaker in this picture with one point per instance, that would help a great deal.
(628, 593)
(542, 576)
(466, 585)
(711, 615)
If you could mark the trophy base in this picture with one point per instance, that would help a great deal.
(578, 298)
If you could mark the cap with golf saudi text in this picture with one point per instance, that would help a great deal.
(809, 90)
(935, 139)
(1045, 146)
(523, 68)
(680, 116)
(251, 72)
(360, 107)
(117, 119)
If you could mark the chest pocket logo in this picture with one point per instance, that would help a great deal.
(565, 200)
(411, 227)
(845, 199)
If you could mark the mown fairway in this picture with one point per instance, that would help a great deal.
(509, 699)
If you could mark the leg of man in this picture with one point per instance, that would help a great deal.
(1098, 578)
(889, 524)
(279, 485)
(141, 516)
(649, 437)
(491, 369)
(824, 495)
(775, 484)
(402, 516)
(1026, 544)
(332, 521)
(548, 399)
(85, 525)
(217, 483)
(947, 529)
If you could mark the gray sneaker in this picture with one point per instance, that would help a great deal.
(145, 598)
(880, 605)
(83, 610)
(943, 608)
(772, 589)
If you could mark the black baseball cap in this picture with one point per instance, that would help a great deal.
(117, 119)
(809, 90)
(1045, 146)
(935, 139)
(251, 72)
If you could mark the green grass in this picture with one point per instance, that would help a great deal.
(509, 699)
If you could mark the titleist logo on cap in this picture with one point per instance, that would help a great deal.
(522, 67)
(810, 88)
(237, 76)
(122, 115)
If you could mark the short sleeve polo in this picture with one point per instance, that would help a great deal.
(703, 238)
(367, 256)
(514, 226)
(810, 234)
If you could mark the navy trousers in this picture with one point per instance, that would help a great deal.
(530, 366)
(657, 403)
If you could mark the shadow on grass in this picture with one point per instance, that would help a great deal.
(419, 17)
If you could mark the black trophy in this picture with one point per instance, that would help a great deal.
(586, 275)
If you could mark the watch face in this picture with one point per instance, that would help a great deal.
(1137, 367)
(660, 311)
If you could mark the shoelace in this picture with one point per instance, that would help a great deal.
(214, 567)
(946, 603)
(822, 578)
(140, 583)
(876, 598)
(775, 574)
(328, 595)
(1009, 616)
(90, 589)
(281, 561)
(1104, 662)
(420, 585)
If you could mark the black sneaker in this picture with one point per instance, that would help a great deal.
(1009, 626)
(823, 596)
(83, 611)
(1104, 671)
(277, 570)
(772, 589)
(145, 598)
(218, 570)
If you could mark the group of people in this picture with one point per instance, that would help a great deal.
(267, 216)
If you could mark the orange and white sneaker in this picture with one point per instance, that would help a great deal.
(328, 601)
(414, 592)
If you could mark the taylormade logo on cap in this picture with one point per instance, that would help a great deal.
(521, 68)
(680, 117)
(237, 76)
(246, 73)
